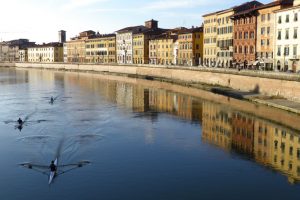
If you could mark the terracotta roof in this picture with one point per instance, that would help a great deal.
(247, 8)
(103, 36)
(277, 3)
(192, 30)
(165, 36)
(238, 8)
(133, 29)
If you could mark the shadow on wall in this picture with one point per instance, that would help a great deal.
(256, 89)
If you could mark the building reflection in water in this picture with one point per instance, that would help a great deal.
(258, 139)
(267, 143)
(11, 76)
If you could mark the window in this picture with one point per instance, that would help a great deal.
(296, 17)
(246, 35)
(278, 54)
(252, 35)
(279, 35)
(282, 147)
(295, 50)
(263, 17)
(263, 30)
(287, 34)
(276, 144)
(286, 53)
(246, 50)
(251, 49)
(287, 18)
(269, 16)
(262, 42)
(268, 30)
(295, 33)
(240, 49)
(279, 20)
(291, 151)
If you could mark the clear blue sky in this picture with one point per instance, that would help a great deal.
(40, 20)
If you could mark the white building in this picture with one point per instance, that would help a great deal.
(23, 55)
(65, 46)
(175, 52)
(124, 41)
(287, 43)
(52, 52)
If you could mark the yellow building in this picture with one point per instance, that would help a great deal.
(225, 38)
(279, 148)
(141, 39)
(75, 48)
(190, 47)
(161, 49)
(140, 48)
(210, 39)
(101, 49)
(52, 52)
(216, 125)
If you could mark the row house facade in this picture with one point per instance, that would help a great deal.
(161, 49)
(74, 50)
(190, 47)
(210, 39)
(140, 48)
(287, 45)
(23, 55)
(9, 50)
(219, 35)
(245, 37)
(124, 44)
(225, 38)
(266, 35)
(51, 52)
(132, 43)
(141, 41)
(101, 49)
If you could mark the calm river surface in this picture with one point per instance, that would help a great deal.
(144, 140)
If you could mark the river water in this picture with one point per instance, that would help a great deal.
(125, 138)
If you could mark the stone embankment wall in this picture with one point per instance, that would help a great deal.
(267, 83)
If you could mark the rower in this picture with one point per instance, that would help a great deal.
(20, 121)
(52, 166)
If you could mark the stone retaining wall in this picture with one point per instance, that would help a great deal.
(279, 84)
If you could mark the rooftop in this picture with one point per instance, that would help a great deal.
(51, 44)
